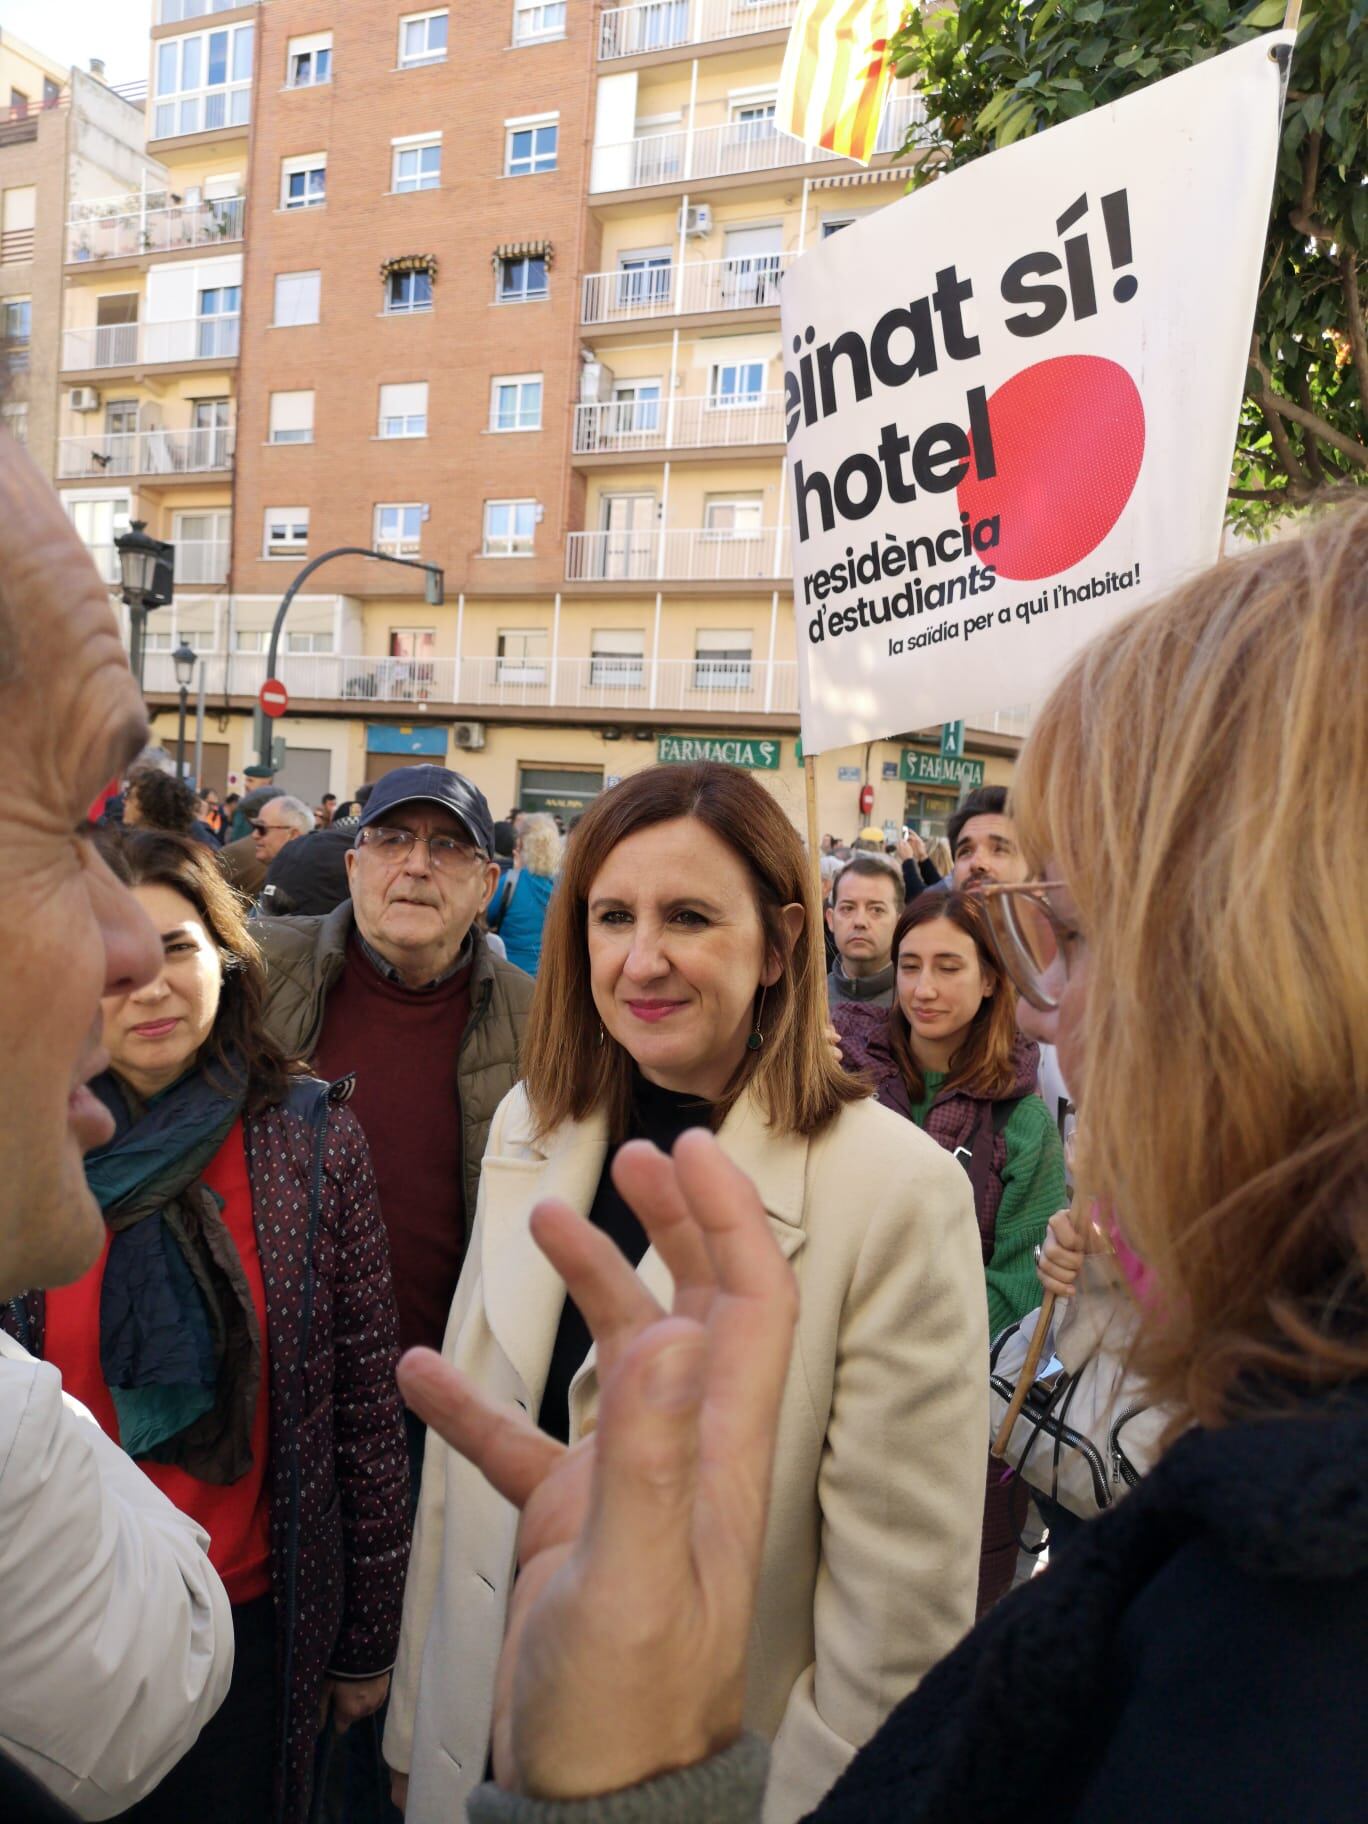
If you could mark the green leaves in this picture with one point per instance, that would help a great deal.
(993, 71)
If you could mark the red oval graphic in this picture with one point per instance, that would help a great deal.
(1068, 439)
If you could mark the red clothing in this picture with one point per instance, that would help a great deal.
(404, 1045)
(236, 1517)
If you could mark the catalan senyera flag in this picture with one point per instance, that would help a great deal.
(836, 74)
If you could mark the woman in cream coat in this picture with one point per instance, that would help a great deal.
(682, 987)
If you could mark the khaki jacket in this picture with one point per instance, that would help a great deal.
(305, 956)
(871, 1556)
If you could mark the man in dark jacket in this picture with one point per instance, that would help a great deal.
(398, 985)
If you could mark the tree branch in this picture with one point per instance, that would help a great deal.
(1313, 461)
(1358, 337)
(1297, 479)
(1279, 496)
(1310, 171)
(1275, 405)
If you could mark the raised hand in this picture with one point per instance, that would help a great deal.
(639, 1548)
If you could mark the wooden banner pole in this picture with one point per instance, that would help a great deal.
(814, 837)
(1027, 1375)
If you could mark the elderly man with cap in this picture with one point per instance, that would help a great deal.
(398, 985)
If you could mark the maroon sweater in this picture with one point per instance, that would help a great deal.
(403, 1045)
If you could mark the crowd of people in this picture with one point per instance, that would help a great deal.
(681, 1196)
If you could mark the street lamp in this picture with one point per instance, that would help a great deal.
(146, 573)
(183, 659)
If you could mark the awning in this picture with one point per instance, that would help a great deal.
(850, 180)
(523, 250)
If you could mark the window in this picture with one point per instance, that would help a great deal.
(403, 409)
(644, 279)
(308, 61)
(201, 541)
(531, 145)
(18, 103)
(522, 655)
(249, 639)
(17, 218)
(515, 402)
(722, 660)
(753, 120)
(617, 658)
(408, 291)
(737, 516)
(422, 38)
(308, 642)
(535, 19)
(15, 420)
(417, 163)
(509, 527)
(413, 642)
(216, 333)
(292, 418)
(304, 181)
(296, 298)
(833, 224)
(399, 528)
(286, 532)
(521, 280)
(736, 383)
(18, 319)
(636, 407)
(203, 81)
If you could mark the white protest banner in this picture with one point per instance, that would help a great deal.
(1011, 400)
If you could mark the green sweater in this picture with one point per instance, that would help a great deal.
(1032, 1190)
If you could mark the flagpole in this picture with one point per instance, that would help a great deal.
(814, 840)
(1292, 17)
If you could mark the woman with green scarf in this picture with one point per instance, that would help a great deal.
(238, 1337)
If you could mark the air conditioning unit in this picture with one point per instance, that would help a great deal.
(83, 399)
(468, 734)
(596, 383)
(695, 220)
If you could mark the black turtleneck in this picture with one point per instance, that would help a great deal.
(659, 1115)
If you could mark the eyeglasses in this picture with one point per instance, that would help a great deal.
(264, 829)
(1034, 942)
(395, 845)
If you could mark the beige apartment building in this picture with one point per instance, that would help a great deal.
(492, 289)
(64, 137)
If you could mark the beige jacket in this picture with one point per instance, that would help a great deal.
(871, 1556)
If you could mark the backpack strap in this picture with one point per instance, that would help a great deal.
(508, 886)
(977, 1157)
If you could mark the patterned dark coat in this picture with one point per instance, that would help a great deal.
(338, 1474)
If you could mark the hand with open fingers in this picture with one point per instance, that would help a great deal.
(911, 847)
(1060, 1258)
(639, 1547)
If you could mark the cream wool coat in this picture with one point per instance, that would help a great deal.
(870, 1562)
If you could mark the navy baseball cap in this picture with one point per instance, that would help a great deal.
(432, 785)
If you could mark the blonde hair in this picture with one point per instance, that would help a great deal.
(940, 857)
(571, 1070)
(1200, 780)
(540, 844)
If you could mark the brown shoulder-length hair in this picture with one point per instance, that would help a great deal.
(142, 858)
(983, 1064)
(1199, 779)
(570, 1072)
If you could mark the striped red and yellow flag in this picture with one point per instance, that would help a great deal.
(836, 74)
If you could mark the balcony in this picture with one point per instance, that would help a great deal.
(159, 453)
(662, 25)
(198, 560)
(625, 425)
(737, 147)
(131, 345)
(109, 232)
(688, 555)
(681, 290)
(738, 687)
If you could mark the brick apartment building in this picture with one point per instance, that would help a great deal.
(495, 289)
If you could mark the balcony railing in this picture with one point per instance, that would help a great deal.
(137, 229)
(148, 453)
(749, 282)
(681, 686)
(701, 154)
(145, 344)
(691, 555)
(661, 25)
(691, 423)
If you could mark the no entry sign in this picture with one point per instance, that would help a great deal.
(274, 698)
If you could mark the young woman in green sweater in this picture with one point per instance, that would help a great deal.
(947, 1055)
